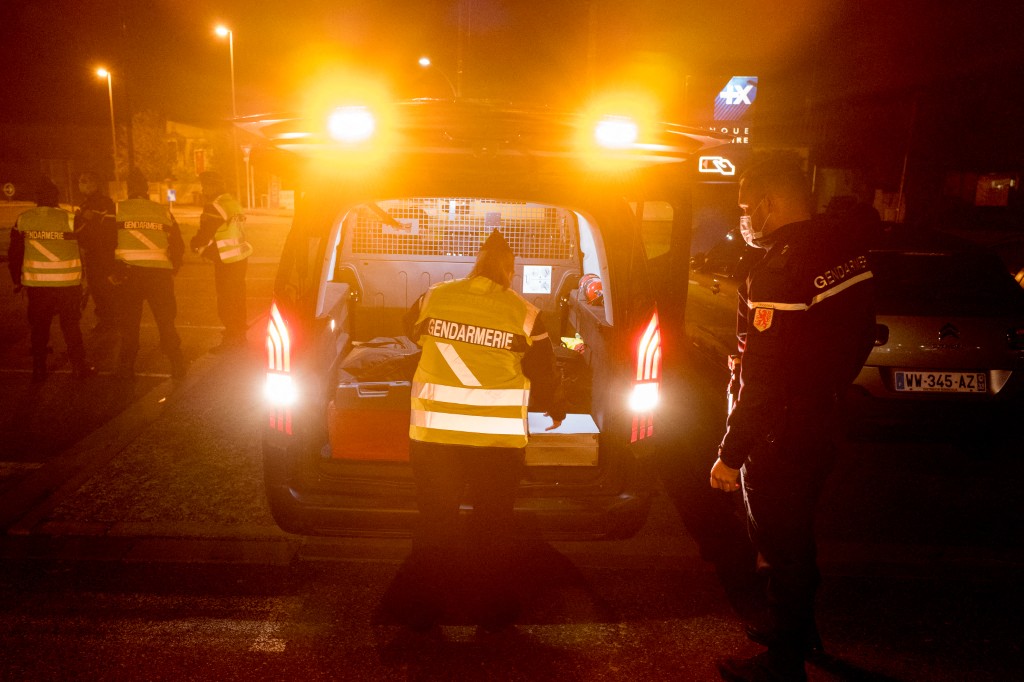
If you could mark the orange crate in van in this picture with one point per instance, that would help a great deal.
(369, 421)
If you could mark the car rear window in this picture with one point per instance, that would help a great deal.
(943, 283)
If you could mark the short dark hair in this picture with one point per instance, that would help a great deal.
(778, 176)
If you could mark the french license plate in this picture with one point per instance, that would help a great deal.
(941, 382)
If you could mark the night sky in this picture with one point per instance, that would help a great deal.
(851, 69)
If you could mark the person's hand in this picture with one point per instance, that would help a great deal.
(555, 423)
(724, 477)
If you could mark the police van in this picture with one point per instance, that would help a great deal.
(397, 198)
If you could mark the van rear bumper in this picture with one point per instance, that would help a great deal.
(553, 518)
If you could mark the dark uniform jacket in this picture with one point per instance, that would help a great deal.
(95, 226)
(805, 326)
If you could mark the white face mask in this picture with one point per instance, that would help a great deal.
(751, 237)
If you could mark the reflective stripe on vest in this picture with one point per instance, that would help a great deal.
(142, 233)
(50, 260)
(469, 387)
(230, 236)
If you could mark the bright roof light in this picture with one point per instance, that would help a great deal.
(351, 124)
(616, 132)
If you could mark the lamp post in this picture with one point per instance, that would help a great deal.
(223, 31)
(426, 64)
(103, 73)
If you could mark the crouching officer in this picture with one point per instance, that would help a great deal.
(221, 238)
(485, 355)
(149, 253)
(43, 257)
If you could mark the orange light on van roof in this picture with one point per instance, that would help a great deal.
(351, 124)
(616, 132)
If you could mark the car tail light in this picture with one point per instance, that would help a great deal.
(1016, 338)
(647, 388)
(280, 389)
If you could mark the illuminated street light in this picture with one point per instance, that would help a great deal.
(425, 62)
(103, 73)
(224, 31)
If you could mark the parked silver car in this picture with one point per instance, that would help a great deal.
(950, 324)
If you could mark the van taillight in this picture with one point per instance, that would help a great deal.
(280, 389)
(647, 388)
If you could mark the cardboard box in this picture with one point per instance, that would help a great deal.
(574, 443)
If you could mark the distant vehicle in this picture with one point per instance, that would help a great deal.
(950, 324)
(394, 203)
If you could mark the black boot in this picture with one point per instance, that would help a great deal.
(767, 666)
(810, 644)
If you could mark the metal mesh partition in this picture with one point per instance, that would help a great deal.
(447, 226)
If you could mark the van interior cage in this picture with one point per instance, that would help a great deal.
(457, 227)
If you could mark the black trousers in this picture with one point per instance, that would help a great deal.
(229, 279)
(782, 483)
(43, 304)
(478, 556)
(154, 286)
(100, 288)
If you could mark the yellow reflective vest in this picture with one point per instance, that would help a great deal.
(52, 257)
(230, 236)
(142, 227)
(469, 387)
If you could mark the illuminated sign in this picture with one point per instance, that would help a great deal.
(716, 164)
(735, 99)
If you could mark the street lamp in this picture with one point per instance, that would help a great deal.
(425, 62)
(103, 73)
(223, 31)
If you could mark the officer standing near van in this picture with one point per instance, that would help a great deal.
(149, 253)
(485, 354)
(805, 327)
(44, 258)
(221, 238)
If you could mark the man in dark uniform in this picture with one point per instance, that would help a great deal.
(805, 327)
(44, 257)
(221, 238)
(94, 224)
(486, 355)
(149, 253)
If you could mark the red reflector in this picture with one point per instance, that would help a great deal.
(279, 344)
(648, 370)
(279, 359)
(648, 360)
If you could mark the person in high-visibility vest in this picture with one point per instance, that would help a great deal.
(148, 254)
(221, 238)
(44, 259)
(486, 357)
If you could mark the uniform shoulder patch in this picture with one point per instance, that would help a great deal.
(763, 318)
